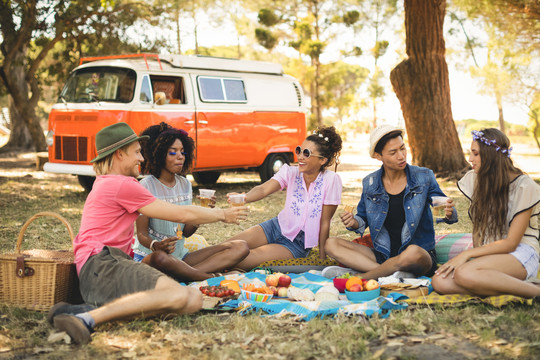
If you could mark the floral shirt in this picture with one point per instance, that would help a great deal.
(303, 207)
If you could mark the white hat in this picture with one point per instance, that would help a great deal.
(377, 134)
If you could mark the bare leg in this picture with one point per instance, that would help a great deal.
(254, 236)
(361, 258)
(174, 267)
(219, 257)
(413, 259)
(489, 275)
(264, 253)
(167, 297)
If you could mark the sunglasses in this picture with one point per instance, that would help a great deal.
(306, 152)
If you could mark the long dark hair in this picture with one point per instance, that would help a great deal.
(489, 205)
(328, 144)
(155, 149)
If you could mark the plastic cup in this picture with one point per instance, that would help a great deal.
(237, 199)
(205, 195)
(439, 203)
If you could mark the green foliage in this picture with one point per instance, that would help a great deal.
(351, 17)
(266, 38)
(379, 49)
(268, 18)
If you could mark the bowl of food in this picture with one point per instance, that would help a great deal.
(361, 296)
(255, 296)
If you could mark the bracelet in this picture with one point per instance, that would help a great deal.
(152, 245)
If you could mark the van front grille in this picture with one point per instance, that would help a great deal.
(71, 148)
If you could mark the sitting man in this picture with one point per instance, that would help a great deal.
(108, 276)
(395, 205)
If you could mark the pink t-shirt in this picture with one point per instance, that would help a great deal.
(109, 215)
(303, 208)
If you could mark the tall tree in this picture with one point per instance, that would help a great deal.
(422, 86)
(30, 29)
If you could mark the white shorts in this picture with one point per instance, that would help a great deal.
(528, 257)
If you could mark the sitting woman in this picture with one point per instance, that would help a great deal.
(168, 155)
(505, 206)
(313, 195)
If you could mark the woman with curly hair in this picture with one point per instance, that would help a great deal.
(505, 207)
(168, 157)
(313, 195)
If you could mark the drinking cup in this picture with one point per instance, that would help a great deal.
(439, 203)
(205, 195)
(237, 199)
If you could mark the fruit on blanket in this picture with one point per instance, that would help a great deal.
(371, 285)
(353, 280)
(272, 280)
(284, 281)
(217, 291)
(355, 288)
(231, 284)
(274, 289)
(282, 292)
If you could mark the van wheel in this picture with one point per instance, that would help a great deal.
(86, 182)
(206, 177)
(271, 165)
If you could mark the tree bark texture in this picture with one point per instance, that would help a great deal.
(422, 86)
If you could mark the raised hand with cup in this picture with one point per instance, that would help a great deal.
(442, 206)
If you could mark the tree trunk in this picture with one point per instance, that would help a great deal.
(500, 108)
(24, 120)
(422, 86)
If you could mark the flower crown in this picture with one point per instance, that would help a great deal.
(320, 135)
(479, 136)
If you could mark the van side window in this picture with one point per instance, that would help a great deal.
(146, 92)
(172, 86)
(213, 89)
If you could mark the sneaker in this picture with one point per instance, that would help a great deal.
(331, 272)
(74, 327)
(403, 275)
(66, 308)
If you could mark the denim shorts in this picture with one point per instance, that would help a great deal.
(528, 258)
(272, 230)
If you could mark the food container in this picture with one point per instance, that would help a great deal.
(340, 284)
(361, 296)
(253, 296)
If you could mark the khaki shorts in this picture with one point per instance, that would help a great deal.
(112, 274)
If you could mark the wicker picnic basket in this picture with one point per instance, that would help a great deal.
(37, 279)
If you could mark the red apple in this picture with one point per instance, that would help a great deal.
(371, 285)
(356, 288)
(272, 280)
(274, 290)
(282, 292)
(284, 280)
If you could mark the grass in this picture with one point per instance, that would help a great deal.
(474, 331)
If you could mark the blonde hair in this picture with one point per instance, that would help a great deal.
(103, 166)
(161, 98)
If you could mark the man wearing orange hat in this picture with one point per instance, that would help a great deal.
(395, 205)
(113, 285)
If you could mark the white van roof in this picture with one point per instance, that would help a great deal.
(186, 62)
(226, 64)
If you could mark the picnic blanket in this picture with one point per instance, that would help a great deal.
(304, 310)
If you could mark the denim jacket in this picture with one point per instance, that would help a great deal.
(418, 227)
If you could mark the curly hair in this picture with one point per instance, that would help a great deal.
(328, 144)
(489, 203)
(155, 149)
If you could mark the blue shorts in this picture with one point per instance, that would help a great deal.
(528, 258)
(272, 230)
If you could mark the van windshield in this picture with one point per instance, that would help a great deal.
(99, 84)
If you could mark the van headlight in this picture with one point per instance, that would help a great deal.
(49, 138)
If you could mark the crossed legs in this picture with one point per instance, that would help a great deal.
(361, 258)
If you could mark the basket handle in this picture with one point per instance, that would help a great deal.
(38, 215)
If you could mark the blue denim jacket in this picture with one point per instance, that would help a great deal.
(418, 228)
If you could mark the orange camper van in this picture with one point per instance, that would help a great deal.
(242, 115)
